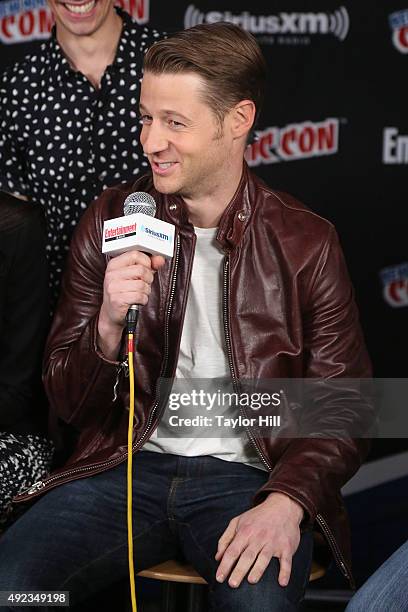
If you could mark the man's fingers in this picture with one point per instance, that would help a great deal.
(128, 259)
(128, 280)
(229, 558)
(226, 537)
(285, 570)
(262, 562)
(243, 566)
(136, 271)
(125, 300)
(157, 261)
(118, 287)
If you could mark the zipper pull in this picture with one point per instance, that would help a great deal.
(123, 366)
(34, 488)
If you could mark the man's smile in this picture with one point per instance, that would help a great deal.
(80, 8)
(163, 168)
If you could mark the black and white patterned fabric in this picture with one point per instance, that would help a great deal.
(24, 459)
(62, 142)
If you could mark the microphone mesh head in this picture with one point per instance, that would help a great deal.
(139, 202)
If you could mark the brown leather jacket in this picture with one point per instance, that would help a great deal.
(288, 312)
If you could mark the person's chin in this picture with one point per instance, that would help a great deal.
(80, 25)
(164, 185)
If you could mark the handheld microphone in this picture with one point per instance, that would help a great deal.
(138, 229)
(144, 203)
(139, 202)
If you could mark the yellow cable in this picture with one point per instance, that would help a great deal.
(129, 473)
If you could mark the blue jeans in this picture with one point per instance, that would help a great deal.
(75, 537)
(386, 590)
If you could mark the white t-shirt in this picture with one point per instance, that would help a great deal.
(203, 356)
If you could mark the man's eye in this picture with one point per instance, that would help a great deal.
(175, 124)
(145, 119)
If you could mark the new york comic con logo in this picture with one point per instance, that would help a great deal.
(395, 285)
(294, 141)
(399, 26)
(292, 28)
(25, 20)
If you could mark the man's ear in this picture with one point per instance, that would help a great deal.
(243, 117)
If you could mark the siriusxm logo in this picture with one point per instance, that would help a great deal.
(336, 23)
(155, 234)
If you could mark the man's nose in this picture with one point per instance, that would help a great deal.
(153, 139)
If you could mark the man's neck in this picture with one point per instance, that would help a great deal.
(206, 210)
(92, 54)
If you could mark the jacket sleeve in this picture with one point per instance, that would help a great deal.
(77, 376)
(332, 443)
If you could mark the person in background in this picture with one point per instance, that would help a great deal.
(386, 589)
(25, 453)
(68, 123)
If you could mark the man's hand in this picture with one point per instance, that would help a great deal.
(254, 537)
(128, 279)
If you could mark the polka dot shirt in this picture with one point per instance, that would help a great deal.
(62, 142)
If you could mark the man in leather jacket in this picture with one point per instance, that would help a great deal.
(257, 289)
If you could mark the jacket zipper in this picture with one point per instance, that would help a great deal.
(335, 549)
(166, 344)
(235, 382)
(100, 467)
(325, 528)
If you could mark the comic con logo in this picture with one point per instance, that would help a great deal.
(138, 9)
(395, 285)
(280, 28)
(25, 20)
(399, 26)
(294, 141)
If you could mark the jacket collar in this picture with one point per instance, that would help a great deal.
(237, 214)
(234, 220)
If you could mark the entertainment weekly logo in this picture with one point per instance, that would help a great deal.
(395, 285)
(395, 147)
(294, 141)
(399, 25)
(291, 28)
(24, 20)
(120, 231)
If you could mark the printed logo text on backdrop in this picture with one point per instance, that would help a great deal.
(24, 20)
(283, 28)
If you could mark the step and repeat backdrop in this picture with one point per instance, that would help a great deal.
(333, 132)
